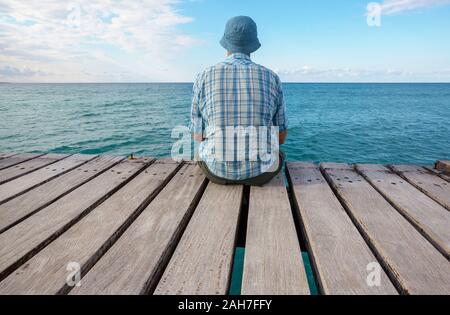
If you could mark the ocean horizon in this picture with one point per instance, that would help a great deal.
(340, 122)
(191, 82)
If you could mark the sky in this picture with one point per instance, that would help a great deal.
(173, 40)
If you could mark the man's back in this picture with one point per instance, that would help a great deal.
(233, 96)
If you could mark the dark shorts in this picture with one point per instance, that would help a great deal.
(260, 180)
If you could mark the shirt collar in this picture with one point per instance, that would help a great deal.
(239, 56)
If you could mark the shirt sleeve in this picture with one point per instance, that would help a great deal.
(280, 118)
(196, 125)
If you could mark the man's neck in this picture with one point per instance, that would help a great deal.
(229, 53)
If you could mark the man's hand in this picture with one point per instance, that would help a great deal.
(282, 137)
(198, 137)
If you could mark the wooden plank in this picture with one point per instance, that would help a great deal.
(24, 205)
(438, 173)
(27, 238)
(443, 166)
(332, 165)
(433, 186)
(29, 166)
(411, 261)
(273, 263)
(22, 184)
(133, 264)
(89, 239)
(338, 251)
(6, 155)
(430, 218)
(202, 262)
(17, 159)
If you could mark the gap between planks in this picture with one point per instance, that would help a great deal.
(29, 163)
(23, 184)
(427, 216)
(338, 252)
(16, 159)
(137, 269)
(431, 184)
(413, 264)
(20, 208)
(87, 241)
(26, 239)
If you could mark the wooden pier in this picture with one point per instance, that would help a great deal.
(147, 226)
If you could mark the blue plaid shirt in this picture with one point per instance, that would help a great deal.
(240, 94)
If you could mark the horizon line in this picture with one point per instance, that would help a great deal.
(191, 82)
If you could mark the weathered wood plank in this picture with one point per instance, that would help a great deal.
(273, 263)
(7, 155)
(22, 184)
(28, 237)
(133, 264)
(87, 240)
(339, 252)
(29, 166)
(430, 218)
(433, 186)
(415, 265)
(202, 261)
(443, 166)
(17, 159)
(332, 165)
(24, 205)
(438, 173)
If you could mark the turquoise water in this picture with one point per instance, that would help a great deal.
(380, 123)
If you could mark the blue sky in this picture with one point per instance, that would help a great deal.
(170, 40)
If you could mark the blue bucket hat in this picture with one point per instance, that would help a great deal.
(241, 35)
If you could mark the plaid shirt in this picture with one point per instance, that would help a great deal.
(238, 93)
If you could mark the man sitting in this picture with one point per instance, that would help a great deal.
(238, 113)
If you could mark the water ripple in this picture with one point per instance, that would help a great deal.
(377, 123)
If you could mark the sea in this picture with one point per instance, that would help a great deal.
(353, 123)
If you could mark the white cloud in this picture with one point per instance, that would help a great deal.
(308, 72)
(60, 36)
(12, 72)
(389, 7)
(346, 74)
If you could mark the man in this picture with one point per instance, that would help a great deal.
(238, 113)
